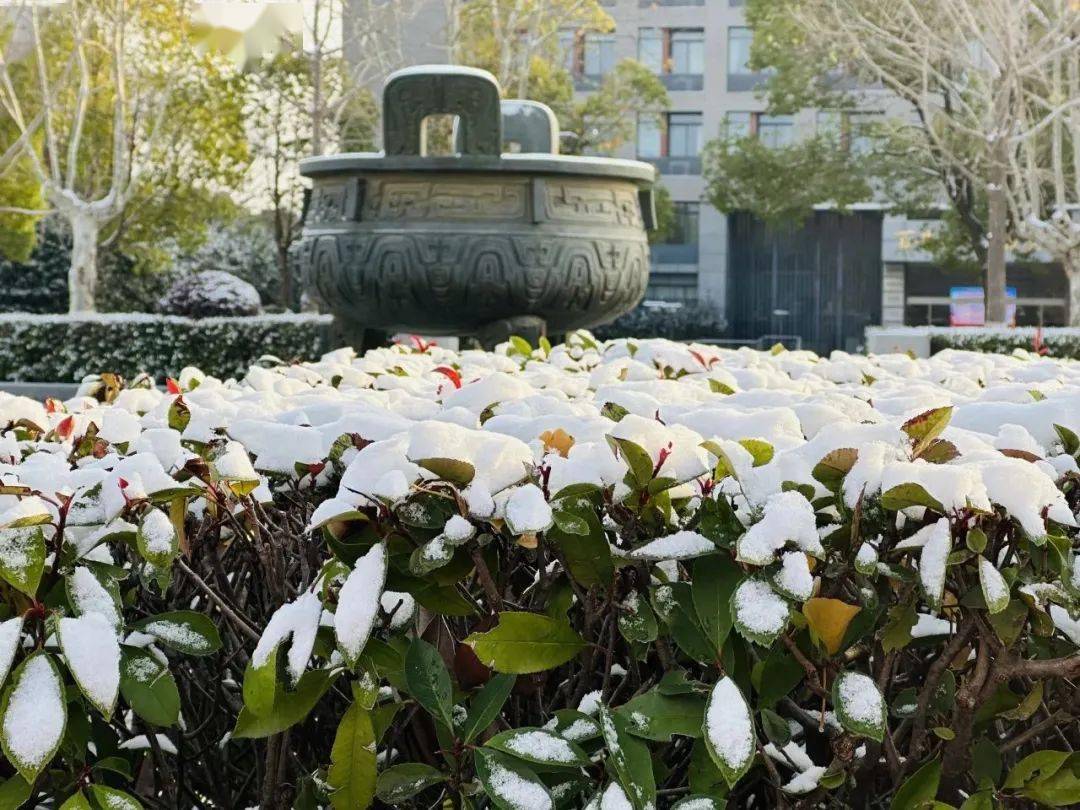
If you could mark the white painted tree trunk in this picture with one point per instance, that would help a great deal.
(1072, 273)
(82, 276)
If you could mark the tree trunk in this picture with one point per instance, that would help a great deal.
(82, 276)
(1072, 273)
(995, 255)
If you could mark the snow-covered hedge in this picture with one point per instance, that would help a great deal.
(1057, 342)
(622, 575)
(65, 348)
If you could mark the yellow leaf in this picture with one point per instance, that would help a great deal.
(557, 441)
(528, 540)
(829, 620)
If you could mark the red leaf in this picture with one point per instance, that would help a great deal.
(53, 405)
(124, 483)
(172, 386)
(451, 374)
(316, 468)
(66, 426)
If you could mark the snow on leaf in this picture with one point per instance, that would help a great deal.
(729, 730)
(358, 602)
(760, 614)
(92, 653)
(34, 715)
(859, 705)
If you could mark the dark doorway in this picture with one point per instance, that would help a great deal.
(820, 280)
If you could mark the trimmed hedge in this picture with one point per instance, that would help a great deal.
(63, 348)
(688, 322)
(1059, 342)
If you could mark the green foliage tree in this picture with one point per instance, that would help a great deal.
(129, 132)
(783, 183)
(531, 65)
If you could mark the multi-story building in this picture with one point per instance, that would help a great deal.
(824, 281)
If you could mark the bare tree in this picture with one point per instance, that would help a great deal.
(350, 46)
(966, 67)
(1044, 151)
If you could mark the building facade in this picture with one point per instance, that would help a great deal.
(784, 282)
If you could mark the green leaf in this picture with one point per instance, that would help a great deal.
(656, 716)
(779, 673)
(761, 451)
(14, 792)
(1069, 440)
(833, 468)
(776, 728)
(540, 747)
(34, 697)
(715, 579)
(754, 604)
(156, 539)
(487, 705)
(569, 523)
(1059, 789)
(574, 725)
(290, 708)
(637, 622)
(186, 631)
(976, 540)
(519, 345)
(113, 799)
(1039, 765)
(496, 772)
(352, 761)
(449, 469)
(76, 801)
(442, 599)
(638, 460)
(398, 783)
(860, 708)
(926, 427)
(904, 495)
(919, 788)
(1009, 622)
(587, 554)
(22, 558)
(148, 687)
(526, 642)
(983, 800)
(429, 682)
(699, 803)
(995, 589)
(675, 606)
(731, 741)
(629, 758)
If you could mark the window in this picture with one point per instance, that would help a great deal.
(772, 130)
(739, 41)
(599, 54)
(650, 138)
(860, 131)
(855, 131)
(568, 49)
(775, 130)
(687, 51)
(651, 49)
(685, 230)
(739, 125)
(672, 51)
(684, 134)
